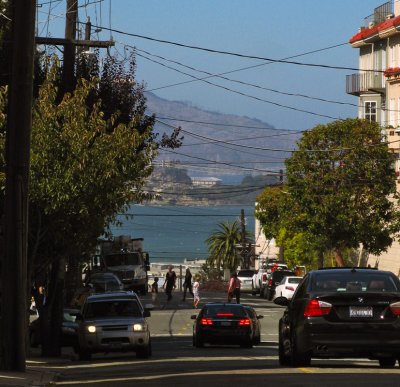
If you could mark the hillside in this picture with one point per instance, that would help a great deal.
(207, 147)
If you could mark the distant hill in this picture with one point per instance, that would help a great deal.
(202, 128)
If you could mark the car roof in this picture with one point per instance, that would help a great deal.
(338, 270)
(223, 304)
(112, 296)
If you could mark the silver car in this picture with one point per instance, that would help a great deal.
(114, 322)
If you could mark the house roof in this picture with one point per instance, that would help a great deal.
(382, 30)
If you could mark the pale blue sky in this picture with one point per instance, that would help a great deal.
(265, 28)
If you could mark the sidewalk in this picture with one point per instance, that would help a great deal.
(38, 372)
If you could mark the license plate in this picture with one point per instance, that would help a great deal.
(225, 323)
(361, 311)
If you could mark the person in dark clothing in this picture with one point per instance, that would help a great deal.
(170, 282)
(187, 284)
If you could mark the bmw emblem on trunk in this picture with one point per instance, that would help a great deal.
(360, 300)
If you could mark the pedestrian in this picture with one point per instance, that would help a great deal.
(170, 282)
(234, 288)
(187, 284)
(196, 292)
(154, 291)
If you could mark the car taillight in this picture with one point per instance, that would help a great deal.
(206, 321)
(244, 321)
(395, 308)
(270, 282)
(224, 314)
(289, 288)
(264, 277)
(317, 308)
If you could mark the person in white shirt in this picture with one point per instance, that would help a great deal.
(196, 293)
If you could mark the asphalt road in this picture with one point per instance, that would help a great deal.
(175, 362)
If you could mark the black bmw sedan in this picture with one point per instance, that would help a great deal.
(223, 324)
(343, 312)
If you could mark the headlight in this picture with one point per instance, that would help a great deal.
(91, 329)
(139, 327)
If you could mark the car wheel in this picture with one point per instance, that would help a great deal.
(269, 295)
(144, 352)
(84, 355)
(298, 358)
(284, 360)
(387, 362)
(198, 342)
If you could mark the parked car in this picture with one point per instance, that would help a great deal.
(274, 280)
(287, 287)
(336, 313)
(98, 282)
(260, 279)
(245, 277)
(255, 319)
(114, 322)
(69, 330)
(223, 324)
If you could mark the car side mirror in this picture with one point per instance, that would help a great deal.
(260, 316)
(282, 301)
(79, 316)
(146, 313)
(193, 316)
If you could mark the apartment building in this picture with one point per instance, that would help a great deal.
(377, 86)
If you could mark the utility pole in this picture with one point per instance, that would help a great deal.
(19, 123)
(69, 47)
(243, 234)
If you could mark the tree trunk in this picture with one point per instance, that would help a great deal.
(73, 279)
(320, 260)
(338, 258)
(51, 316)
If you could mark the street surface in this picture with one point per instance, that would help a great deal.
(175, 362)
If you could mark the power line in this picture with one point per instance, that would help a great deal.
(235, 53)
(239, 92)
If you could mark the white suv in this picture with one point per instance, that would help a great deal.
(114, 322)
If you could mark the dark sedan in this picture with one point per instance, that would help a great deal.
(69, 330)
(337, 313)
(223, 324)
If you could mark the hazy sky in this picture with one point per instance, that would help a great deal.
(275, 29)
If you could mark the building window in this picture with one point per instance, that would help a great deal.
(370, 111)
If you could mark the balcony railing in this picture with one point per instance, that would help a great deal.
(380, 14)
(364, 82)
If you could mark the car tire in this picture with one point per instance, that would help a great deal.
(298, 358)
(387, 362)
(198, 342)
(84, 355)
(284, 360)
(270, 295)
(144, 352)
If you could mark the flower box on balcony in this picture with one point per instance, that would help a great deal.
(392, 72)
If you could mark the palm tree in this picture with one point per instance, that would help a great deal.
(222, 246)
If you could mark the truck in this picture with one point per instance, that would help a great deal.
(123, 256)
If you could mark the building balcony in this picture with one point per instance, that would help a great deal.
(369, 82)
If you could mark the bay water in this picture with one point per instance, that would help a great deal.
(175, 233)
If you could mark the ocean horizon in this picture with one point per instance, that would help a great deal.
(173, 234)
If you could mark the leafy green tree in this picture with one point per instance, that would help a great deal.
(343, 183)
(222, 246)
(82, 175)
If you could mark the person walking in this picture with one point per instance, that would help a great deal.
(187, 284)
(234, 288)
(154, 291)
(196, 292)
(170, 282)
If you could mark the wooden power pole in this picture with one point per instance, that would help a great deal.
(19, 123)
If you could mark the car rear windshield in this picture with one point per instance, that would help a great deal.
(294, 280)
(112, 308)
(224, 311)
(246, 273)
(354, 282)
(278, 275)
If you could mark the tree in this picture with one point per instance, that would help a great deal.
(342, 180)
(222, 246)
(82, 175)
